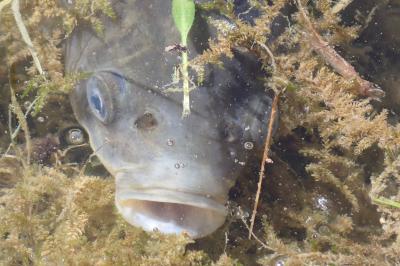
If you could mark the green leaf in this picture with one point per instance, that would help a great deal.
(183, 13)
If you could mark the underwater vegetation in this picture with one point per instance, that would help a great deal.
(58, 220)
(183, 13)
(330, 192)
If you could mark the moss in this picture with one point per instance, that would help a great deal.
(48, 218)
(43, 87)
(324, 103)
(50, 22)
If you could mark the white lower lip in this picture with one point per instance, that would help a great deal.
(170, 217)
(151, 225)
(171, 196)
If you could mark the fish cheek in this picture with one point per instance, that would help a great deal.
(80, 106)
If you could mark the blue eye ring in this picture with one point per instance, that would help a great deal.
(100, 98)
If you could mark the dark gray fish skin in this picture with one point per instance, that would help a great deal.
(171, 173)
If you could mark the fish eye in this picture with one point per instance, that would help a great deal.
(100, 89)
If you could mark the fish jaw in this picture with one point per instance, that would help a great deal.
(169, 210)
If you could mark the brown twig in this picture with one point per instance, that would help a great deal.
(336, 61)
(265, 159)
(242, 217)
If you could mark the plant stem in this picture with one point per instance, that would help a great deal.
(265, 160)
(336, 61)
(16, 108)
(185, 80)
(25, 35)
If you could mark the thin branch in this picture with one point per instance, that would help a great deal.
(25, 35)
(15, 7)
(63, 153)
(336, 61)
(10, 130)
(268, 140)
(22, 121)
(28, 111)
(251, 231)
(271, 55)
(14, 134)
(265, 160)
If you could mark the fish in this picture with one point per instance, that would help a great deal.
(172, 174)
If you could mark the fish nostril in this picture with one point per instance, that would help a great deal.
(146, 122)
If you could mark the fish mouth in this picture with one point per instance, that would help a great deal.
(170, 211)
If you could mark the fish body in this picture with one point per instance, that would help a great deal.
(171, 173)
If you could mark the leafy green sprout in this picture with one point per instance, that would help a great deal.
(183, 12)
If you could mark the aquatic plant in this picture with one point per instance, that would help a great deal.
(49, 218)
(183, 12)
(51, 21)
(316, 98)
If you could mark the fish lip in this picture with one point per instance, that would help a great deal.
(201, 215)
(126, 189)
(171, 196)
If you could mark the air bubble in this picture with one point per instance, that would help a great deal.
(240, 213)
(322, 203)
(170, 142)
(75, 136)
(248, 145)
(280, 260)
(179, 165)
(323, 230)
(27, 104)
